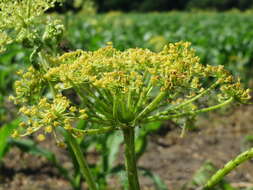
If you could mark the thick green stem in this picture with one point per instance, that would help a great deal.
(130, 159)
(85, 171)
(247, 155)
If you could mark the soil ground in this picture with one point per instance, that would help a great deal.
(218, 139)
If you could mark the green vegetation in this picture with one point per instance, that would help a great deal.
(107, 95)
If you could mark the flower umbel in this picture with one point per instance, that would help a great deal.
(127, 88)
(48, 115)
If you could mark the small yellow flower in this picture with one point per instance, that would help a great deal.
(73, 109)
(61, 144)
(109, 43)
(30, 130)
(68, 127)
(48, 129)
(83, 116)
(15, 134)
(11, 98)
(82, 111)
(20, 72)
(56, 123)
(41, 137)
(22, 124)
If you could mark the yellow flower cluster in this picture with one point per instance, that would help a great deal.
(19, 20)
(126, 88)
(4, 40)
(22, 12)
(129, 70)
(29, 87)
(49, 114)
(175, 67)
(136, 77)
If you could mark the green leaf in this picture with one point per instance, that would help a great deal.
(141, 139)
(152, 127)
(119, 170)
(5, 132)
(247, 142)
(158, 182)
(113, 143)
(82, 124)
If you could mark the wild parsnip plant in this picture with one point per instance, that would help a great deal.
(120, 90)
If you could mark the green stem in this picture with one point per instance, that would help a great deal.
(29, 8)
(176, 107)
(85, 171)
(247, 155)
(151, 106)
(99, 100)
(130, 159)
(115, 106)
(45, 65)
(101, 130)
(203, 110)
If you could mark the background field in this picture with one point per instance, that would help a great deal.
(218, 38)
